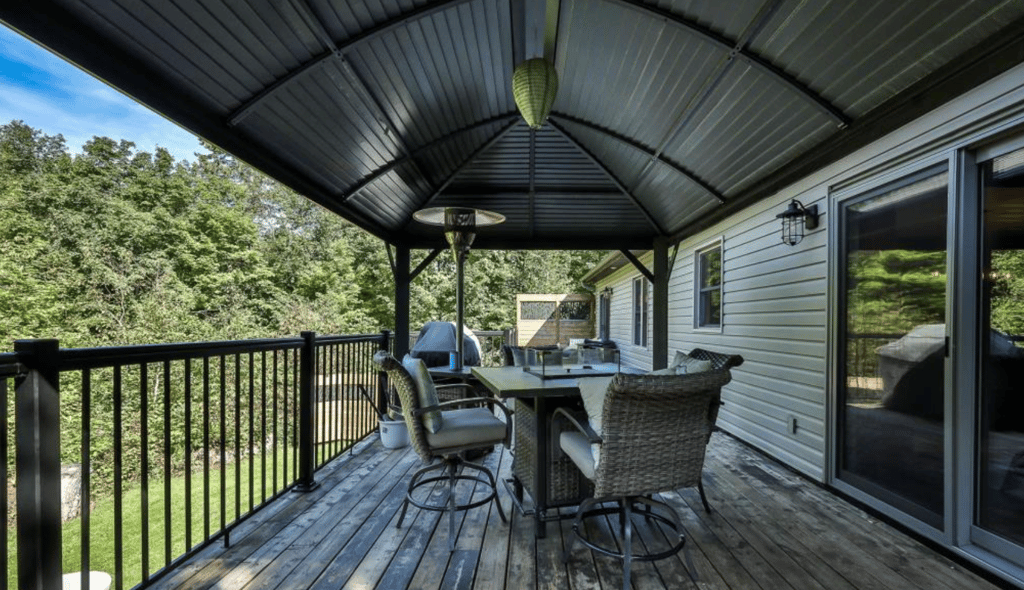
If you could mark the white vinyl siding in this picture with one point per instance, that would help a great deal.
(776, 295)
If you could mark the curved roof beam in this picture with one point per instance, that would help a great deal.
(378, 173)
(608, 173)
(646, 150)
(739, 50)
(337, 52)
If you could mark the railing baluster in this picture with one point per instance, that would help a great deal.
(238, 436)
(295, 415)
(206, 448)
(118, 499)
(188, 454)
(223, 444)
(263, 426)
(284, 414)
(144, 459)
(167, 463)
(273, 424)
(86, 473)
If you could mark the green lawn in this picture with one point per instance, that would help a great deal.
(102, 546)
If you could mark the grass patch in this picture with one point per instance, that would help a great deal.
(188, 528)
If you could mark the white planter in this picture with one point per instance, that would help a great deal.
(394, 434)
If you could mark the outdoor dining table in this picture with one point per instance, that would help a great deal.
(551, 483)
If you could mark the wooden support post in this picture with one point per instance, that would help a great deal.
(659, 335)
(37, 411)
(307, 398)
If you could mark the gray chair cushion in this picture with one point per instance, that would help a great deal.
(468, 426)
(417, 369)
(577, 446)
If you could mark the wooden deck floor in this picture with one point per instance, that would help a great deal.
(769, 530)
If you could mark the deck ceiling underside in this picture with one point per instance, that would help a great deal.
(669, 114)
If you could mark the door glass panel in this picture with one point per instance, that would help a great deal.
(1001, 403)
(892, 359)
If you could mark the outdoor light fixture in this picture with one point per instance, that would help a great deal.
(795, 220)
(460, 224)
(534, 86)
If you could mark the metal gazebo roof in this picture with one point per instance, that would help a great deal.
(669, 115)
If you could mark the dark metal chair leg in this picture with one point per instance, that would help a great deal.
(627, 542)
(451, 507)
(703, 498)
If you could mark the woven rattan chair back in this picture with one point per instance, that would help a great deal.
(405, 385)
(655, 429)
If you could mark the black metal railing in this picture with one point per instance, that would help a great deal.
(175, 444)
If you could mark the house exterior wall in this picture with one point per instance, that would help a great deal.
(776, 297)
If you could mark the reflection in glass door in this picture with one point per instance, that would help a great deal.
(893, 345)
(1000, 472)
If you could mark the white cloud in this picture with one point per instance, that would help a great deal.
(56, 97)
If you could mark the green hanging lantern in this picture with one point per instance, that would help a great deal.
(534, 86)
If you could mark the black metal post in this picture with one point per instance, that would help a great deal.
(37, 411)
(307, 397)
(659, 339)
(382, 377)
(402, 301)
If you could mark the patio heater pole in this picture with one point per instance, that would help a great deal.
(460, 304)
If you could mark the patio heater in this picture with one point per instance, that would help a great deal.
(460, 224)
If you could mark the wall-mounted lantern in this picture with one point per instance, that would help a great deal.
(795, 220)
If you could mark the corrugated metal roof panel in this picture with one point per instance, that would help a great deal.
(859, 54)
(746, 129)
(631, 79)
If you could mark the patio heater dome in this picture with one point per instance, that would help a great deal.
(534, 86)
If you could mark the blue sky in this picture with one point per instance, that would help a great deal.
(56, 97)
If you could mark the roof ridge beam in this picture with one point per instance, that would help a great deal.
(335, 52)
(737, 49)
(618, 183)
(692, 177)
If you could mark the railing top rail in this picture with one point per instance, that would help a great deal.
(347, 338)
(9, 365)
(89, 358)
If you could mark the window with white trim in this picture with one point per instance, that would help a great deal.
(707, 296)
(640, 295)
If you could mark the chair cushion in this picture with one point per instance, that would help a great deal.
(665, 371)
(432, 420)
(593, 390)
(577, 446)
(683, 364)
(468, 426)
(692, 365)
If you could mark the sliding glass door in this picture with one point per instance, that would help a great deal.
(1000, 426)
(892, 344)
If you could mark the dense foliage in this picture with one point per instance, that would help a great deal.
(113, 246)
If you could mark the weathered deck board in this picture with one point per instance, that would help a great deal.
(769, 530)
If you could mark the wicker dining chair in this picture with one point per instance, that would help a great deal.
(655, 429)
(458, 429)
